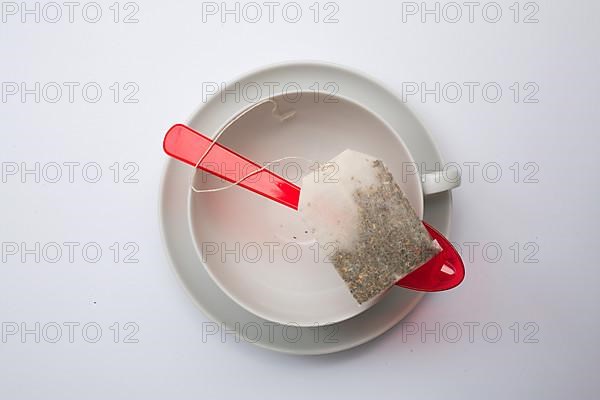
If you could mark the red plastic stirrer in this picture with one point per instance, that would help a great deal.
(444, 271)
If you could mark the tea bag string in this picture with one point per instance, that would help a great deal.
(275, 112)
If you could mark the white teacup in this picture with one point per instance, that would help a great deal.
(258, 251)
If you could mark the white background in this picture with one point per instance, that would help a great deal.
(169, 54)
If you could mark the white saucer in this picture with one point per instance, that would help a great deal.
(220, 307)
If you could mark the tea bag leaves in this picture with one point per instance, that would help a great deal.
(354, 203)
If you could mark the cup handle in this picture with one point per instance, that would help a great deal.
(440, 181)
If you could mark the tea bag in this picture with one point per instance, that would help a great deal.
(353, 203)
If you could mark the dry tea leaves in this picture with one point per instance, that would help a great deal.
(378, 236)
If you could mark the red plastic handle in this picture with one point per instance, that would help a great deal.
(187, 145)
